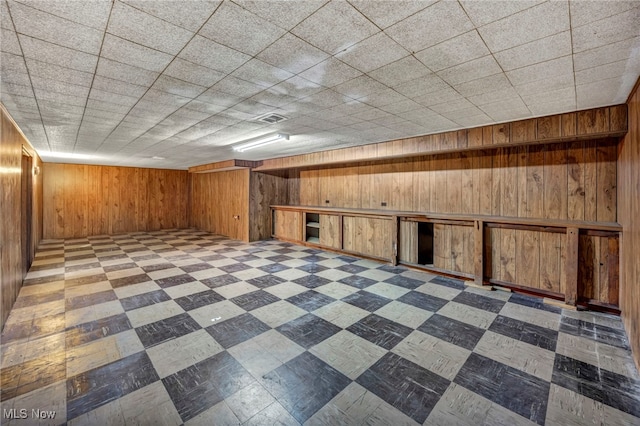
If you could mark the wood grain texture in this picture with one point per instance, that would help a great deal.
(330, 232)
(628, 202)
(288, 225)
(264, 190)
(14, 244)
(369, 236)
(408, 242)
(82, 200)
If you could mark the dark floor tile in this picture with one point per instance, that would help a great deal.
(286, 250)
(145, 299)
(273, 268)
(131, 280)
(212, 257)
(37, 299)
(615, 390)
(234, 267)
(405, 282)
(237, 330)
(311, 281)
(89, 331)
(308, 330)
(92, 389)
(166, 329)
(202, 385)
(120, 267)
(452, 331)
(71, 257)
(393, 269)
(254, 300)
(352, 269)
(246, 257)
(220, 281)
(304, 385)
(480, 302)
(33, 374)
(196, 267)
(347, 259)
(310, 300)
(449, 282)
(596, 332)
(423, 301)
(312, 268)
(357, 281)
(47, 266)
(44, 280)
(82, 267)
(313, 258)
(525, 332)
(132, 250)
(158, 267)
(513, 389)
(266, 281)
(175, 280)
(115, 256)
(381, 331)
(89, 279)
(279, 258)
(365, 300)
(198, 300)
(404, 385)
(533, 302)
(90, 299)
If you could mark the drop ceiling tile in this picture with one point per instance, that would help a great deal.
(360, 54)
(535, 52)
(456, 105)
(334, 27)
(598, 94)
(401, 71)
(14, 69)
(91, 111)
(385, 97)
(443, 95)
(422, 86)
(5, 17)
(372, 115)
(468, 121)
(482, 13)
(134, 25)
(58, 55)
(273, 98)
(506, 111)
(113, 98)
(359, 87)
(439, 22)
(408, 127)
(55, 72)
(607, 71)
(292, 54)
(130, 74)
(10, 42)
(230, 25)
(553, 107)
(330, 73)
(584, 12)
(541, 71)
(44, 26)
(178, 87)
(237, 87)
(261, 73)
(118, 86)
(607, 31)
(552, 83)
(193, 73)
(483, 85)
(283, 13)
(219, 99)
(325, 99)
(455, 51)
(107, 106)
(472, 70)
(90, 13)
(459, 114)
(606, 54)
(400, 107)
(203, 106)
(495, 96)
(157, 97)
(202, 51)
(186, 14)
(59, 87)
(385, 13)
(298, 108)
(15, 89)
(253, 108)
(297, 87)
(126, 52)
(568, 93)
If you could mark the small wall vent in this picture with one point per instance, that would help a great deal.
(271, 118)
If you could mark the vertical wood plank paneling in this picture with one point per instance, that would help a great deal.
(576, 181)
(535, 182)
(408, 244)
(468, 189)
(606, 155)
(550, 260)
(555, 183)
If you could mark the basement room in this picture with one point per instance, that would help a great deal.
(320, 212)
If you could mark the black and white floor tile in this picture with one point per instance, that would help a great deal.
(184, 327)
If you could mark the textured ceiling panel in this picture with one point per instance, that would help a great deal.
(123, 81)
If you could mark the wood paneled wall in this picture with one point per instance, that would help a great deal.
(12, 251)
(82, 200)
(216, 198)
(628, 211)
(575, 181)
(265, 190)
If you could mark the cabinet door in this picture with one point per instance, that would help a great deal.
(330, 231)
(408, 242)
(287, 225)
(369, 236)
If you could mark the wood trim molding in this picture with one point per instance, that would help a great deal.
(223, 166)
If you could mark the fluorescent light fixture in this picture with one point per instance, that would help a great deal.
(66, 155)
(261, 142)
(155, 157)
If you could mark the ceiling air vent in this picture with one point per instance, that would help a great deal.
(271, 118)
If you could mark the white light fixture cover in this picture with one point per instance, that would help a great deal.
(261, 142)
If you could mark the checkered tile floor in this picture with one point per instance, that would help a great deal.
(185, 327)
